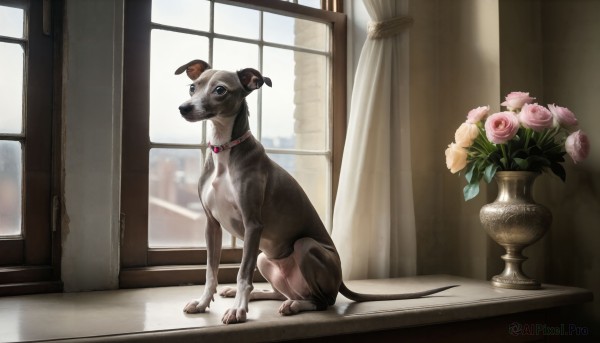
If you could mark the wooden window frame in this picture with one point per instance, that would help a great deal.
(31, 263)
(142, 266)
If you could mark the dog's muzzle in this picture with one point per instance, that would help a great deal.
(186, 109)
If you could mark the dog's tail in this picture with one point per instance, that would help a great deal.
(360, 297)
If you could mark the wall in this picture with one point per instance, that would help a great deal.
(454, 68)
(467, 53)
(91, 165)
(571, 77)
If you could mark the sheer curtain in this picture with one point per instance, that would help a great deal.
(373, 219)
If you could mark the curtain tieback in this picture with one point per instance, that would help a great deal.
(388, 28)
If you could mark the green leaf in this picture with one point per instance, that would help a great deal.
(490, 171)
(559, 170)
(469, 173)
(471, 190)
(523, 164)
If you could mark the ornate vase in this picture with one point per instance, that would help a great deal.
(514, 220)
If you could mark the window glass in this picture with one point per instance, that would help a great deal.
(175, 214)
(236, 21)
(11, 173)
(295, 111)
(12, 22)
(292, 115)
(295, 32)
(11, 88)
(310, 3)
(189, 14)
(312, 173)
(170, 50)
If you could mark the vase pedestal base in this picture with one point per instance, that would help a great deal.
(515, 282)
(513, 277)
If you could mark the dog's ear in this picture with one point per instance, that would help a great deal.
(251, 79)
(193, 69)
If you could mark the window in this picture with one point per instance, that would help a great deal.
(29, 239)
(300, 121)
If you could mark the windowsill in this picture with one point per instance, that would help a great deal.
(156, 313)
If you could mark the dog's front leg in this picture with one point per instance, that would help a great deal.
(237, 314)
(214, 237)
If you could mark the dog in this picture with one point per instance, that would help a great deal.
(257, 201)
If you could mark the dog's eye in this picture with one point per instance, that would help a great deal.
(192, 89)
(220, 90)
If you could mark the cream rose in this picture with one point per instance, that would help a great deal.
(466, 134)
(456, 158)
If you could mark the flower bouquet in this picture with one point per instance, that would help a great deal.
(526, 137)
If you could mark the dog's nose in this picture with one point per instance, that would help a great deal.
(186, 109)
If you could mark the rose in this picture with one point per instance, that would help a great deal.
(501, 127)
(577, 146)
(563, 116)
(475, 115)
(516, 100)
(456, 158)
(466, 134)
(536, 117)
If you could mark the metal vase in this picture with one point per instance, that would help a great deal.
(514, 220)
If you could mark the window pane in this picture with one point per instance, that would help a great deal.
(167, 91)
(295, 110)
(11, 171)
(310, 3)
(297, 32)
(190, 14)
(236, 21)
(11, 22)
(175, 215)
(231, 55)
(11, 88)
(312, 173)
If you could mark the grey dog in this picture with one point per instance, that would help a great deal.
(249, 195)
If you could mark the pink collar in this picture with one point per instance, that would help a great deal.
(218, 148)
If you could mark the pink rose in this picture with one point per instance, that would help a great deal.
(516, 100)
(563, 116)
(578, 146)
(466, 134)
(456, 158)
(501, 127)
(536, 117)
(475, 115)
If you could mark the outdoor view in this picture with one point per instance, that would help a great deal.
(291, 119)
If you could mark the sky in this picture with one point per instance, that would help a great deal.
(170, 50)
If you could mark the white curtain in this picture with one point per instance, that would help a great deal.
(373, 219)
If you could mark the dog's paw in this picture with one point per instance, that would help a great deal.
(234, 315)
(228, 292)
(196, 306)
(291, 307)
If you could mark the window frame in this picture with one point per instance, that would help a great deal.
(142, 266)
(30, 263)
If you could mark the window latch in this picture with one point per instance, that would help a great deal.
(55, 212)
